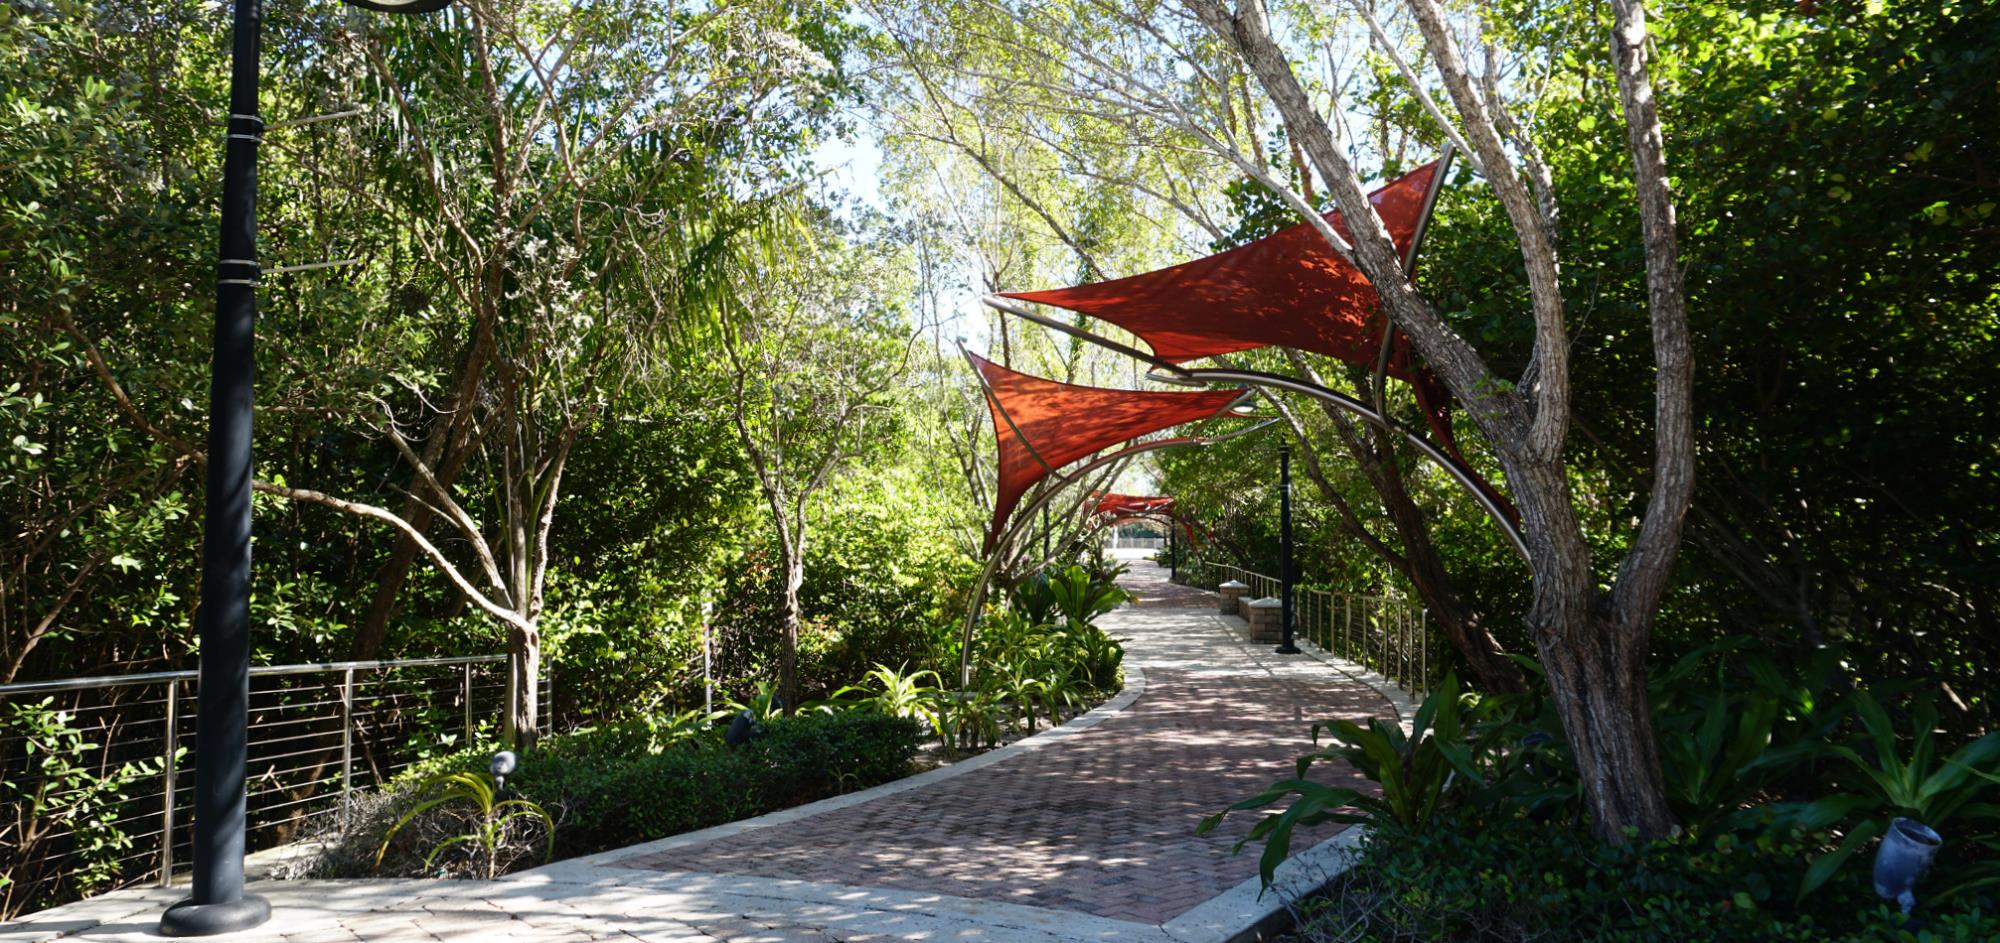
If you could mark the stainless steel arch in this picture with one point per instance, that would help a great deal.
(1175, 373)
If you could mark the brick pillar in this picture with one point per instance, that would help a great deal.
(1267, 619)
(1231, 592)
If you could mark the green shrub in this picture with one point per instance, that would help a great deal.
(627, 783)
(812, 756)
(1464, 875)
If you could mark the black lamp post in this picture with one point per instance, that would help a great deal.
(1285, 572)
(222, 721)
(1173, 552)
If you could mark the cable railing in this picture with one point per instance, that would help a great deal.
(96, 784)
(1388, 635)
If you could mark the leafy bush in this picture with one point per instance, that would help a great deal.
(1418, 775)
(621, 785)
(1467, 875)
(810, 757)
(59, 802)
(1781, 784)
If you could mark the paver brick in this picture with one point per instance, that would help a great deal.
(1100, 823)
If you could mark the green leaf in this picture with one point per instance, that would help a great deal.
(1823, 868)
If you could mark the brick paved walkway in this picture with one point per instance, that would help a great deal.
(1083, 834)
(1150, 589)
(1102, 824)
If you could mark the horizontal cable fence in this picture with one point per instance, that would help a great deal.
(1387, 634)
(97, 780)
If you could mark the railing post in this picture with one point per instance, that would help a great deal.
(1403, 646)
(1424, 624)
(346, 745)
(1346, 624)
(1382, 620)
(1408, 633)
(172, 746)
(466, 697)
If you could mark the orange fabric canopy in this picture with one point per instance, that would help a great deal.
(1114, 503)
(1156, 509)
(1289, 289)
(1043, 425)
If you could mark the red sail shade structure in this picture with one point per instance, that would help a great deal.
(1043, 425)
(1289, 289)
(1157, 509)
(1114, 503)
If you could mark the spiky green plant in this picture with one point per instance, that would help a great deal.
(490, 828)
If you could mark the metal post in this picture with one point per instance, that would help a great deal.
(1287, 575)
(1403, 647)
(1341, 629)
(707, 677)
(346, 744)
(1173, 553)
(1424, 624)
(167, 773)
(1382, 622)
(223, 714)
(466, 700)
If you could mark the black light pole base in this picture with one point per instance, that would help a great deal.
(188, 918)
(1288, 649)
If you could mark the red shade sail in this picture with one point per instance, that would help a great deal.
(1043, 425)
(1163, 519)
(1114, 503)
(1157, 509)
(1289, 289)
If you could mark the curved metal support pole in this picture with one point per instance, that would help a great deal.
(1184, 376)
(1025, 516)
(1152, 518)
(1451, 466)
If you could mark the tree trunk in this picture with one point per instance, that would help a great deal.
(1595, 659)
(1485, 658)
(788, 655)
(1598, 683)
(524, 669)
(1464, 627)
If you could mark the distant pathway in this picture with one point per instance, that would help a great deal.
(1084, 833)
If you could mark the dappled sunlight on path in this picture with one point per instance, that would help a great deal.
(1101, 823)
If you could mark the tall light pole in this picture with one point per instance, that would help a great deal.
(1285, 572)
(222, 722)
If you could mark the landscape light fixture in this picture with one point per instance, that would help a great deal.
(218, 904)
(1905, 854)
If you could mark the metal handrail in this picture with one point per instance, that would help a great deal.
(365, 717)
(256, 671)
(1386, 634)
